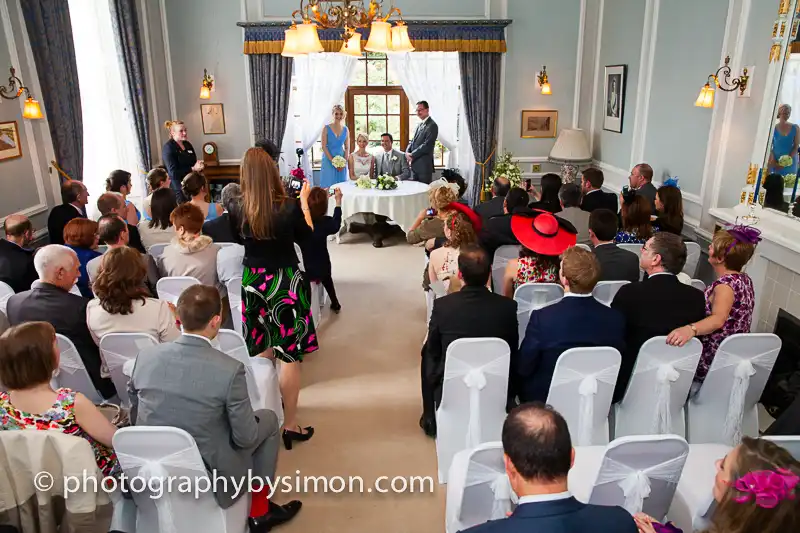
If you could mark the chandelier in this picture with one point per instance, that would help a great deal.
(348, 15)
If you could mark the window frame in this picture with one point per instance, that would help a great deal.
(362, 90)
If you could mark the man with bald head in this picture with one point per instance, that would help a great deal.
(75, 197)
(49, 300)
(16, 260)
(641, 180)
(112, 203)
(494, 207)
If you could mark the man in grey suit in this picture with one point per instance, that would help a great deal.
(390, 161)
(189, 384)
(641, 180)
(570, 197)
(420, 150)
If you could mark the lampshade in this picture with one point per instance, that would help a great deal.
(352, 47)
(706, 98)
(32, 109)
(205, 93)
(571, 147)
(291, 43)
(400, 40)
(546, 89)
(380, 38)
(308, 38)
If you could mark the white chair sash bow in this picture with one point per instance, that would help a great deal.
(745, 369)
(635, 483)
(504, 496)
(666, 375)
(587, 390)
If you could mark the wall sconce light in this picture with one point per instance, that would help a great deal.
(544, 83)
(208, 84)
(15, 89)
(706, 97)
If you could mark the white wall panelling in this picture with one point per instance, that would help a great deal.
(646, 63)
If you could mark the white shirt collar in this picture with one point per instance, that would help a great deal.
(426, 120)
(78, 208)
(593, 190)
(539, 498)
(603, 244)
(213, 343)
(577, 295)
(661, 273)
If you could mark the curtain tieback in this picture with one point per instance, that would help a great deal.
(58, 169)
(483, 167)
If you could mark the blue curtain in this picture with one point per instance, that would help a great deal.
(271, 85)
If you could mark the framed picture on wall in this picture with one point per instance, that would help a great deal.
(614, 108)
(213, 119)
(539, 124)
(10, 147)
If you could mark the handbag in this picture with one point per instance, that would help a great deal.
(115, 414)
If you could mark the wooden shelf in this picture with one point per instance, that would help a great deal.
(222, 172)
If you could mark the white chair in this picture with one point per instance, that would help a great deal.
(299, 253)
(791, 443)
(72, 372)
(261, 374)
(581, 390)
(226, 244)
(170, 288)
(584, 246)
(725, 407)
(638, 473)
(632, 247)
(478, 489)
(474, 396)
(658, 388)
(605, 291)
(156, 250)
(103, 248)
(501, 258)
(234, 287)
(693, 504)
(693, 252)
(318, 294)
(6, 292)
(698, 284)
(117, 349)
(437, 291)
(169, 453)
(533, 296)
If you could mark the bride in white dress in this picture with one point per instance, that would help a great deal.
(361, 162)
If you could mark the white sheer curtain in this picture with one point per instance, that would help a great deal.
(108, 138)
(436, 78)
(790, 91)
(322, 80)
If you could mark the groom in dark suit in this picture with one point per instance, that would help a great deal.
(420, 150)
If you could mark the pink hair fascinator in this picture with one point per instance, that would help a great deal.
(766, 487)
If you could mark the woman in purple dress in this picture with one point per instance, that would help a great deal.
(729, 300)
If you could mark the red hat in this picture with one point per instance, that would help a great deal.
(473, 217)
(543, 232)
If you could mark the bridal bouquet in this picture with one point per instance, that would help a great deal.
(785, 161)
(363, 182)
(386, 183)
(339, 162)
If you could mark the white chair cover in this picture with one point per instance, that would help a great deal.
(156, 250)
(102, 248)
(533, 296)
(158, 453)
(693, 503)
(581, 390)
(478, 488)
(170, 288)
(605, 291)
(118, 348)
(299, 253)
(437, 291)
(698, 284)
(693, 252)
(584, 246)
(234, 287)
(6, 292)
(501, 258)
(790, 443)
(632, 247)
(71, 373)
(725, 407)
(474, 395)
(658, 388)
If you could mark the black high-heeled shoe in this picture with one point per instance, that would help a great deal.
(289, 436)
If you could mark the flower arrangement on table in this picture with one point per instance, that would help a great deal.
(363, 182)
(785, 161)
(339, 162)
(385, 182)
(505, 167)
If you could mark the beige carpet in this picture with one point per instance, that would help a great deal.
(361, 393)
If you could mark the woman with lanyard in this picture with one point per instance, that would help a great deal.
(179, 157)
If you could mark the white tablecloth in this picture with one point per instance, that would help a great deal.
(402, 205)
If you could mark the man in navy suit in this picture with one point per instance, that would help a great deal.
(538, 457)
(576, 321)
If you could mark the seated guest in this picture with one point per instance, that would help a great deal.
(49, 300)
(616, 264)
(430, 222)
(29, 357)
(190, 385)
(594, 197)
(122, 302)
(641, 181)
(729, 300)
(570, 197)
(547, 200)
(497, 232)
(576, 321)
(636, 226)
(159, 229)
(119, 182)
(452, 176)
(494, 207)
(16, 260)
(658, 304)
(80, 234)
(472, 312)
(543, 237)
(316, 259)
(774, 193)
(669, 210)
(538, 457)
(156, 179)
(114, 232)
(225, 228)
(195, 187)
(74, 196)
(459, 230)
(113, 203)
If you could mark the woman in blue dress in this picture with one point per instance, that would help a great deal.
(335, 142)
(785, 140)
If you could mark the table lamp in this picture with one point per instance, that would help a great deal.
(571, 149)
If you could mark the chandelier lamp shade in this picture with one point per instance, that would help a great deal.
(349, 16)
(15, 89)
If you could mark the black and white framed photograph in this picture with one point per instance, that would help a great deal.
(614, 97)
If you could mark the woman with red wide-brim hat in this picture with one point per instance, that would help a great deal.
(543, 238)
(461, 227)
